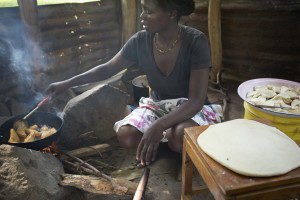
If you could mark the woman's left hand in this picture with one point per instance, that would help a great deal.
(147, 149)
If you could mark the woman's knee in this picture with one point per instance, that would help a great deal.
(129, 136)
(174, 141)
(175, 136)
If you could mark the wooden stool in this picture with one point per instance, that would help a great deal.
(226, 184)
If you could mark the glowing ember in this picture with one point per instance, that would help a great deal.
(51, 149)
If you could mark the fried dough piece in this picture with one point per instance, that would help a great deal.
(21, 132)
(29, 138)
(53, 130)
(47, 134)
(34, 127)
(44, 129)
(35, 132)
(14, 138)
(19, 123)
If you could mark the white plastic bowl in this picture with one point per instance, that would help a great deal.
(248, 86)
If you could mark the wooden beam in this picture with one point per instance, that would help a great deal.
(128, 19)
(214, 29)
(29, 14)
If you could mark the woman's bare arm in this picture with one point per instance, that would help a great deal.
(197, 94)
(98, 73)
(101, 72)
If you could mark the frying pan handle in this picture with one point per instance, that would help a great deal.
(44, 101)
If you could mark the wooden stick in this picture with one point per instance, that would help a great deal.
(140, 191)
(77, 168)
(101, 164)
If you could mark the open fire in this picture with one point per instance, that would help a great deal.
(52, 149)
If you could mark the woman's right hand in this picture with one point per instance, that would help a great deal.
(57, 87)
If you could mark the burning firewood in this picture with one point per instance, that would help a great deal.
(98, 185)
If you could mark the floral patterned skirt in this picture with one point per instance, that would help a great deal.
(149, 111)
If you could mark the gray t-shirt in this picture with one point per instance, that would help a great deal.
(194, 54)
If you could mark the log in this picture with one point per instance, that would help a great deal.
(101, 164)
(87, 151)
(97, 185)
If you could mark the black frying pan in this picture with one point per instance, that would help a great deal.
(38, 118)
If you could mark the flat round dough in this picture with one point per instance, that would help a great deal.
(250, 148)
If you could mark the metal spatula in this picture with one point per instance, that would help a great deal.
(23, 122)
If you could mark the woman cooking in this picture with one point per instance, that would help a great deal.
(176, 60)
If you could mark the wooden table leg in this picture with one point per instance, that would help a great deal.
(187, 174)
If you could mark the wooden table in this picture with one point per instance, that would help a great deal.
(226, 184)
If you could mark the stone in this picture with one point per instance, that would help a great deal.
(95, 110)
(29, 174)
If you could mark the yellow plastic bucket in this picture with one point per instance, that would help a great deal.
(289, 125)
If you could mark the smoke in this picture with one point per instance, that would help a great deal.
(19, 57)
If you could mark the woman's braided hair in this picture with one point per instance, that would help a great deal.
(183, 7)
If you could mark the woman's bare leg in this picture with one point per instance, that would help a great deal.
(175, 135)
(129, 136)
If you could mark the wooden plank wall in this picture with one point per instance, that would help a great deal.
(9, 22)
(74, 37)
(77, 37)
(259, 38)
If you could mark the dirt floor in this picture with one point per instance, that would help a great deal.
(165, 173)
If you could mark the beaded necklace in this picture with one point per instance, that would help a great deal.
(170, 48)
